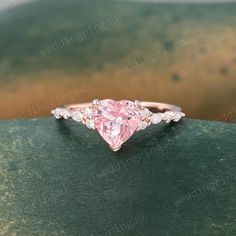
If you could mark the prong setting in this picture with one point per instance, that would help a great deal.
(115, 149)
(137, 103)
(95, 102)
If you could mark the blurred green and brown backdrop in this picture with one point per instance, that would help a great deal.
(57, 52)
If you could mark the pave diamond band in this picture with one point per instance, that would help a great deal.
(116, 121)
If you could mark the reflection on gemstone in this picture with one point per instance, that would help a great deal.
(116, 121)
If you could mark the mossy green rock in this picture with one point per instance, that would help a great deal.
(59, 178)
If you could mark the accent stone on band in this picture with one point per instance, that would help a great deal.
(145, 113)
(61, 113)
(143, 125)
(157, 118)
(88, 111)
(77, 116)
(172, 116)
(90, 124)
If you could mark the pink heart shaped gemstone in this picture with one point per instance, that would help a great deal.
(116, 121)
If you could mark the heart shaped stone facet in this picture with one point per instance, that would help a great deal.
(116, 121)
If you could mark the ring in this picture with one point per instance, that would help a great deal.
(116, 121)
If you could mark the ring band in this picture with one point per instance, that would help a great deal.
(116, 121)
(155, 105)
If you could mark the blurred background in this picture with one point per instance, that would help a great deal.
(57, 52)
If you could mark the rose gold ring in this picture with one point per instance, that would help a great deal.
(116, 121)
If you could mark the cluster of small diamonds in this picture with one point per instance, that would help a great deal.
(83, 115)
(61, 113)
(149, 118)
(173, 116)
(145, 118)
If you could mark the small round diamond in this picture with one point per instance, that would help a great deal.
(143, 125)
(145, 112)
(95, 102)
(56, 113)
(77, 116)
(168, 116)
(177, 116)
(90, 124)
(156, 118)
(61, 112)
(88, 111)
(65, 114)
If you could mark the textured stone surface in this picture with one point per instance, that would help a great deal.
(60, 178)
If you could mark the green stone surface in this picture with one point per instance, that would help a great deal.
(59, 178)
